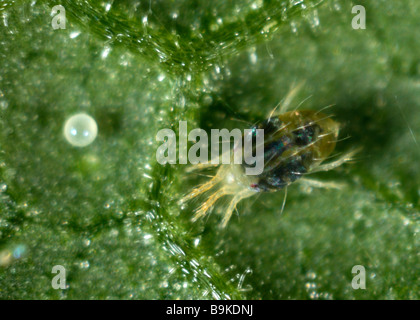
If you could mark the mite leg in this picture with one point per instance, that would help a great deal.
(284, 105)
(321, 184)
(332, 165)
(200, 166)
(284, 200)
(201, 189)
(205, 187)
(201, 212)
(232, 205)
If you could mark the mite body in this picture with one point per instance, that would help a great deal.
(296, 143)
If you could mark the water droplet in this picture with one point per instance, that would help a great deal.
(3, 187)
(19, 251)
(105, 52)
(293, 27)
(253, 58)
(5, 20)
(310, 285)
(314, 295)
(80, 130)
(257, 4)
(3, 102)
(74, 34)
(5, 258)
(337, 6)
(314, 19)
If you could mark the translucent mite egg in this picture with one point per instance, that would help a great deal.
(80, 130)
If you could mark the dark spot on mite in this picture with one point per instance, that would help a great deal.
(270, 126)
(306, 135)
(283, 175)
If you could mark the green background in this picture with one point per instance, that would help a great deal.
(108, 212)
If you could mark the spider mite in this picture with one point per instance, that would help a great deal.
(296, 143)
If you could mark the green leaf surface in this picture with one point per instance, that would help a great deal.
(108, 212)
